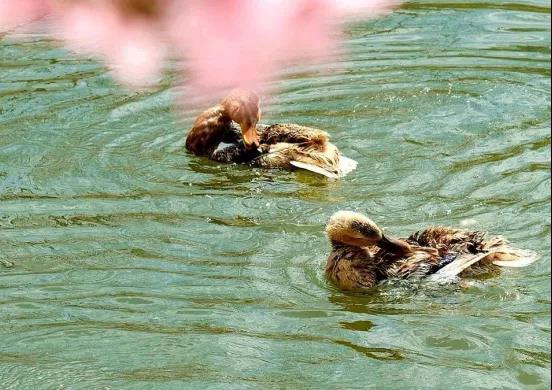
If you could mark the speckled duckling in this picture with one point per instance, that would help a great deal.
(229, 132)
(362, 255)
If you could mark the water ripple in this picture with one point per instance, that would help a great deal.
(125, 261)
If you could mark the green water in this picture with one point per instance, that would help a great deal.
(127, 263)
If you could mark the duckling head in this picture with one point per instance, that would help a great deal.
(350, 228)
(242, 106)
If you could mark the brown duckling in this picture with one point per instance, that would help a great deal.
(229, 132)
(362, 255)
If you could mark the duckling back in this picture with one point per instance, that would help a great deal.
(291, 133)
(472, 252)
(291, 145)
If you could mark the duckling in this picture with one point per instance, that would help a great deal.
(215, 135)
(362, 255)
(229, 132)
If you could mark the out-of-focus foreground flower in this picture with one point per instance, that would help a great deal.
(224, 43)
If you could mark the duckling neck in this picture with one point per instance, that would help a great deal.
(208, 131)
(337, 244)
(396, 246)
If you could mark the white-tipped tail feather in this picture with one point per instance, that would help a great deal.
(462, 262)
(510, 258)
(346, 165)
(520, 258)
(314, 168)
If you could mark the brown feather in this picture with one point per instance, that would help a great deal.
(280, 144)
(352, 266)
(290, 142)
(208, 131)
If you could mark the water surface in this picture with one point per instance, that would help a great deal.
(127, 263)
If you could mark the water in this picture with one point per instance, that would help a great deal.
(127, 263)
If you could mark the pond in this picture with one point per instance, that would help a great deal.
(125, 262)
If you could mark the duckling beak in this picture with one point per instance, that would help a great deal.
(250, 136)
(393, 245)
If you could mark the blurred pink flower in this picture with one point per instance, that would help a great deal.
(224, 43)
(16, 12)
(132, 46)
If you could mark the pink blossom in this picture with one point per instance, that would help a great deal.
(132, 47)
(222, 43)
(16, 12)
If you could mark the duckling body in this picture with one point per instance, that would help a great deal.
(362, 255)
(218, 138)
(292, 146)
(216, 134)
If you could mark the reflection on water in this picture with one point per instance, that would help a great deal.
(126, 262)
